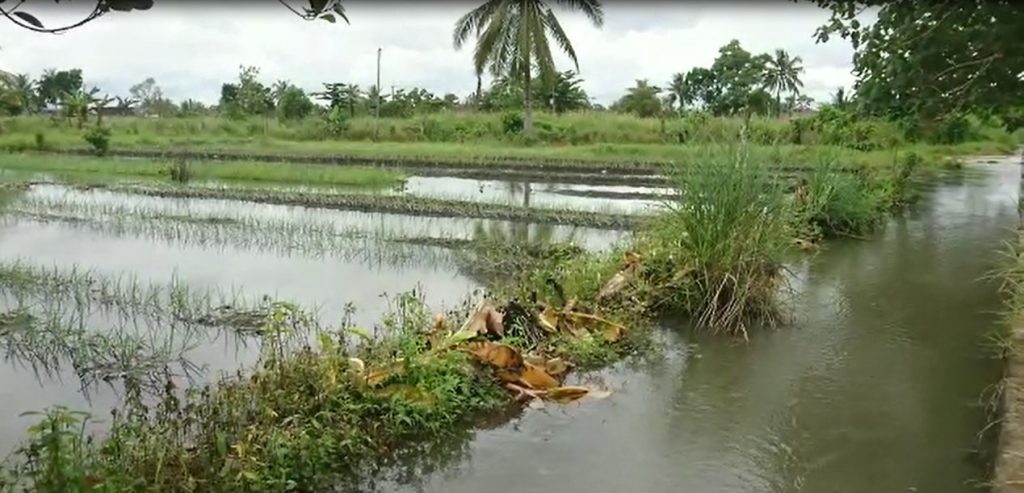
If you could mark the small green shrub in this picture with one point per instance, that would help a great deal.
(40, 141)
(335, 123)
(512, 123)
(99, 138)
(833, 202)
(954, 128)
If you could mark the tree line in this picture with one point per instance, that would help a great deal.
(736, 82)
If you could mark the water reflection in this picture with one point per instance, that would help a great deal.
(599, 198)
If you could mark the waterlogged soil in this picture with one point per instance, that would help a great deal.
(878, 383)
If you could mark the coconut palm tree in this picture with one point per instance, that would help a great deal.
(783, 74)
(19, 90)
(512, 39)
(679, 92)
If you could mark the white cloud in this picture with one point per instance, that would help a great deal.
(190, 50)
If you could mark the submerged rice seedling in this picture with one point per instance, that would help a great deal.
(86, 292)
(406, 205)
(47, 337)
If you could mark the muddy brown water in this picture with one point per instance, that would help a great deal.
(876, 385)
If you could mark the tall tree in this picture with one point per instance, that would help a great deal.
(292, 103)
(703, 88)
(54, 85)
(148, 94)
(924, 59)
(328, 10)
(641, 100)
(512, 39)
(19, 93)
(782, 74)
(679, 92)
(740, 75)
(564, 92)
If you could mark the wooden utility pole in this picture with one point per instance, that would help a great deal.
(376, 119)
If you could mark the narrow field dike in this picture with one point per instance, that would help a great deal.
(789, 160)
(242, 170)
(406, 205)
(384, 161)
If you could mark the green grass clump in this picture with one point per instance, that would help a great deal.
(716, 253)
(228, 171)
(833, 203)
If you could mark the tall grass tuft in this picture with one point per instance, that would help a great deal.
(831, 202)
(716, 253)
(180, 171)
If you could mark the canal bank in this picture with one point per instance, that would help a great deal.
(1008, 476)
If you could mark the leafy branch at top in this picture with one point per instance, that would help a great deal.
(328, 10)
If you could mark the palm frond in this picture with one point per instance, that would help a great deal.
(490, 40)
(555, 28)
(474, 21)
(591, 8)
(541, 49)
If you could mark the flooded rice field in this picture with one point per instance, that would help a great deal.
(878, 383)
(95, 283)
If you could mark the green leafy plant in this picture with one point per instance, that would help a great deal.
(98, 137)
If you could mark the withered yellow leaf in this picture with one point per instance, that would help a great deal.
(548, 319)
(612, 333)
(536, 378)
(565, 395)
(497, 355)
(556, 367)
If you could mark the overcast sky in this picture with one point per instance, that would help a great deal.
(191, 50)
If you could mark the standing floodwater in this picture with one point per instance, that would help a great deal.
(876, 386)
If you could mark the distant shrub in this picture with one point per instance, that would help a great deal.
(98, 137)
(512, 123)
(180, 171)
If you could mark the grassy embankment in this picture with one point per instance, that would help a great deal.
(246, 172)
(1009, 465)
(472, 136)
